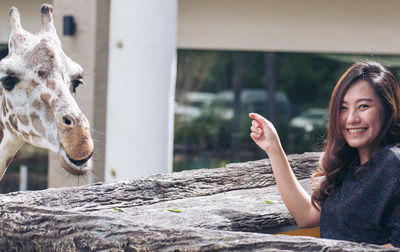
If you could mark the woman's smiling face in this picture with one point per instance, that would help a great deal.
(361, 117)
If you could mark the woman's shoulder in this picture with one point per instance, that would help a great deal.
(388, 159)
(391, 153)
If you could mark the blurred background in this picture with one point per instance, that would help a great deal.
(169, 84)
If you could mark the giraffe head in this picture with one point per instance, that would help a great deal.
(37, 83)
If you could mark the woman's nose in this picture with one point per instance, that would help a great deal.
(353, 117)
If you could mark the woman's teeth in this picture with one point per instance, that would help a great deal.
(356, 130)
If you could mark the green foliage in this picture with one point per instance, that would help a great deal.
(119, 209)
(174, 210)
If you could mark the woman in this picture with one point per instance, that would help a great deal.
(359, 196)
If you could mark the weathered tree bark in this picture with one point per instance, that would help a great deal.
(200, 210)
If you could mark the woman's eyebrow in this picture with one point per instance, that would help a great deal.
(365, 100)
(360, 100)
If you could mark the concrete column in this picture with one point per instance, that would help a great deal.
(89, 48)
(141, 86)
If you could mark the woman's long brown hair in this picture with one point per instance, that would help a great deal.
(338, 155)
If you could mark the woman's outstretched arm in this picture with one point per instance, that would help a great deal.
(296, 199)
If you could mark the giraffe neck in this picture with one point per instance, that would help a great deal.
(9, 145)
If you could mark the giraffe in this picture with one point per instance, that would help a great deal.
(36, 95)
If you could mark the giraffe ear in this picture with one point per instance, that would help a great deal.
(46, 12)
(16, 30)
(15, 21)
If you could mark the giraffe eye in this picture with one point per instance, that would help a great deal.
(9, 82)
(75, 84)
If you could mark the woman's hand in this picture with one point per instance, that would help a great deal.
(264, 133)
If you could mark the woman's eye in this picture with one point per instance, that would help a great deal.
(343, 108)
(9, 82)
(364, 106)
(75, 84)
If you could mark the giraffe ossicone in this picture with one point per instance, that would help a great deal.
(37, 106)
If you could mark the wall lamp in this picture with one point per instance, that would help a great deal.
(69, 26)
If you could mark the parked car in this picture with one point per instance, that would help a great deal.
(311, 119)
(192, 104)
(252, 100)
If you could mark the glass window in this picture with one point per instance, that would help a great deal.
(215, 91)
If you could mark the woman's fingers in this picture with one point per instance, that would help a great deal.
(260, 120)
(255, 129)
(256, 126)
(263, 133)
(255, 123)
(253, 115)
(256, 117)
(254, 136)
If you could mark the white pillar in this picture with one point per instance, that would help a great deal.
(141, 87)
(23, 178)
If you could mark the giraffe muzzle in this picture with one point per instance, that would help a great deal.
(76, 145)
(74, 167)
